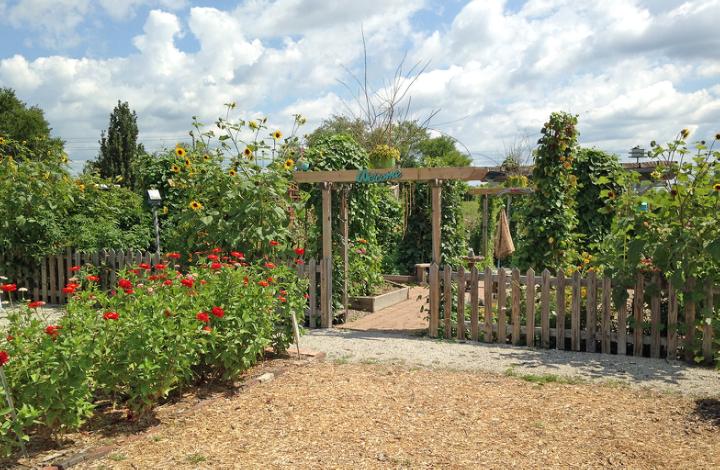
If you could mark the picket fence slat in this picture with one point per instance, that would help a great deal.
(312, 266)
(487, 295)
(689, 319)
(560, 321)
(575, 313)
(530, 308)
(545, 310)
(474, 304)
(638, 314)
(655, 318)
(448, 305)
(591, 312)
(515, 306)
(502, 313)
(605, 324)
(461, 304)
(707, 340)
(672, 330)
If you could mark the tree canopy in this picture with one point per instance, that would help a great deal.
(26, 124)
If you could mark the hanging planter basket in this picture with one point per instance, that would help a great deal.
(384, 156)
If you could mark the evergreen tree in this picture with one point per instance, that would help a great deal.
(119, 147)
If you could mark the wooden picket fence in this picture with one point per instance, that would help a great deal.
(317, 272)
(575, 313)
(46, 279)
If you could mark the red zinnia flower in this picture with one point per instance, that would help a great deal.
(207, 328)
(203, 281)
(10, 337)
(237, 254)
(92, 278)
(203, 317)
(173, 255)
(167, 282)
(270, 265)
(129, 291)
(135, 271)
(299, 251)
(246, 280)
(8, 287)
(4, 358)
(144, 266)
(307, 296)
(218, 312)
(53, 330)
(153, 277)
(160, 266)
(274, 243)
(124, 284)
(111, 316)
(270, 279)
(187, 282)
(36, 304)
(75, 269)
(263, 283)
(216, 250)
(282, 299)
(216, 266)
(69, 289)
(213, 257)
(299, 261)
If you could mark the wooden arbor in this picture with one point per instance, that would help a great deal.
(327, 178)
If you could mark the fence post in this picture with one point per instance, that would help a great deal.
(447, 294)
(474, 304)
(435, 299)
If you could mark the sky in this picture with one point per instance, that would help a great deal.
(633, 70)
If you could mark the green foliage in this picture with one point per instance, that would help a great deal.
(235, 197)
(43, 210)
(26, 125)
(119, 147)
(161, 331)
(596, 172)
(443, 149)
(547, 235)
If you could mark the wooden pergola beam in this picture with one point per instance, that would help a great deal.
(468, 173)
(498, 191)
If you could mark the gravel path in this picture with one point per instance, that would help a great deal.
(372, 347)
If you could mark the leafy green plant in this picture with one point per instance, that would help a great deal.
(547, 234)
(158, 330)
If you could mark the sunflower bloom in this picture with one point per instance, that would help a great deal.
(277, 135)
(196, 206)
(716, 187)
(206, 157)
(232, 172)
(175, 169)
(253, 125)
(247, 153)
(188, 162)
(289, 164)
(180, 152)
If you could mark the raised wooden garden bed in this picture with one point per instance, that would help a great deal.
(397, 293)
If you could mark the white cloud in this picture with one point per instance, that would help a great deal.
(633, 70)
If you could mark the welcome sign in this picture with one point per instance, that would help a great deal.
(364, 176)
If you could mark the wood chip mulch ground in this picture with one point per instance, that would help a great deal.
(332, 415)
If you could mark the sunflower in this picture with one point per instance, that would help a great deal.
(2, 140)
(247, 153)
(206, 157)
(180, 152)
(232, 172)
(717, 136)
(165, 210)
(253, 125)
(716, 187)
(188, 162)
(289, 164)
(174, 168)
(277, 135)
(684, 133)
(196, 206)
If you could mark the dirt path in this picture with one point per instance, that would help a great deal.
(377, 416)
(373, 347)
(405, 316)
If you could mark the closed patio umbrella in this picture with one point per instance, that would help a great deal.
(504, 245)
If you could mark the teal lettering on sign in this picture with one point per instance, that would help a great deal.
(366, 177)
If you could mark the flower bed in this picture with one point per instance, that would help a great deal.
(159, 330)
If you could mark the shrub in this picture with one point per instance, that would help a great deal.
(159, 330)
